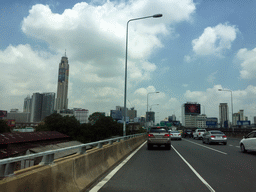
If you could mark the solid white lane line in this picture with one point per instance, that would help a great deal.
(238, 146)
(207, 147)
(196, 173)
(231, 145)
(113, 172)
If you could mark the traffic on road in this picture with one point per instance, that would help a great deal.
(190, 166)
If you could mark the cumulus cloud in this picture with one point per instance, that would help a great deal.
(215, 40)
(248, 58)
(94, 37)
(211, 98)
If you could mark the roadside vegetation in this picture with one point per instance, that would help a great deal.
(99, 127)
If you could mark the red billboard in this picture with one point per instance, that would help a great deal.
(3, 113)
(192, 109)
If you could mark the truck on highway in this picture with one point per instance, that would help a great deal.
(198, 133)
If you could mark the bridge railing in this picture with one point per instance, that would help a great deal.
(8, 165)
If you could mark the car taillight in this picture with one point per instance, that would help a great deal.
(171, 134)
(224, 136)
(212, 136)
(179, 134)
(167, 135)
(199, 133)
(150, 135)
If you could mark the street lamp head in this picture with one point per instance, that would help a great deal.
(157, 92)
(157, 15)
(219, 89)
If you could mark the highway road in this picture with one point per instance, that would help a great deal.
(188, 166)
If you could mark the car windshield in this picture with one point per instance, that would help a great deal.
(157, 130)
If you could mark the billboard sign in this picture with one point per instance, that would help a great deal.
(192, 109)
(3, 113)
(11, 122)
(243, 122)
(115, 114)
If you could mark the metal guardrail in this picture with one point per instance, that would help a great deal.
(7, 166)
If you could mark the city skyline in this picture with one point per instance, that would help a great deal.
(187, 55)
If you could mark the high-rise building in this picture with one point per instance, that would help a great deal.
(189, 113)
(236, 117)
(62, 90)
(42, 105)
(81, 115)
(27, 104)
(150, 116)
(36, 107)
(47, 104)
(223, 114)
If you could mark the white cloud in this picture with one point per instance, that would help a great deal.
(215, 40)
(248, 64)
(94, 36)
(211, 78)
(187, 58)
(211, 98)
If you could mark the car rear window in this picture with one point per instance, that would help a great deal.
(216, 132)
(158, 130)
(175, 132)
(201, 130)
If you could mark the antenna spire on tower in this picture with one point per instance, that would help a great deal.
(65, 53)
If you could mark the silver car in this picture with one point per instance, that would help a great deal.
(214, 137)
(175, 135)
(248, 142)
(159, 136)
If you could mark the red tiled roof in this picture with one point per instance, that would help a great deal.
(7, 138)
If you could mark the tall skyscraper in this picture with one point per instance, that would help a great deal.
(36, 107)
(62, 90)
(47, 104)
(27, 104)
(41, 106)
(223, 113)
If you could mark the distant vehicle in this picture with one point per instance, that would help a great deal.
(248, 143)
(187, 133)
(175, 135)
(198, 133)
(214, 137)
(159, 136)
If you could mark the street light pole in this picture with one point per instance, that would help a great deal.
(231, 104)
(147, 97)
(152, 106)
(126, 53)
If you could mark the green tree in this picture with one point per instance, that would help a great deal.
(66, 125)
(93, 118)
(4, 127)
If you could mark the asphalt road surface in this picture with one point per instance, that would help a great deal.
(188, 166)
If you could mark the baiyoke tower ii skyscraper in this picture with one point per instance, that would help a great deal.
(62, 89)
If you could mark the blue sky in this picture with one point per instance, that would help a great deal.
(196, 48)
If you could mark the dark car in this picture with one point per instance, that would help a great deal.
(187, 133)
(158, 136)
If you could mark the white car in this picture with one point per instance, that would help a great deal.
(248, 142)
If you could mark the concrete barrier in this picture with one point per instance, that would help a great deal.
(74, 173)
